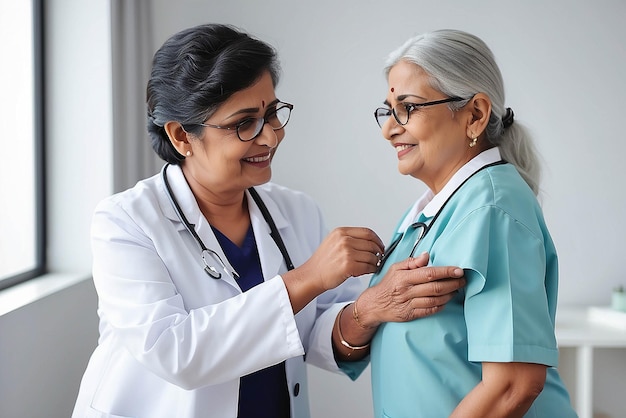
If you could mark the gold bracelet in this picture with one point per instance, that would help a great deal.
(343, 341)
(355, 315)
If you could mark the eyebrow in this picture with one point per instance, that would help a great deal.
(250, 109)
(403, 97)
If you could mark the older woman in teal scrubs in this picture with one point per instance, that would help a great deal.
(491, 352)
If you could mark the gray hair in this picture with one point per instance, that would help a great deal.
(460, 65)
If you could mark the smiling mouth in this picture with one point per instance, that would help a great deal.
(403, 147)
(258, 159)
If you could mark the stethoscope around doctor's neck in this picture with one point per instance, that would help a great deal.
(206, 252)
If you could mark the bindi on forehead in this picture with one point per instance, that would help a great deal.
(262, 103)
(392, 89)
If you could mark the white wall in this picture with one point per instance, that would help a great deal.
(44, 347)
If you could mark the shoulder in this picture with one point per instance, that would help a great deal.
(498, 194)
(139, 201)
(500, 186)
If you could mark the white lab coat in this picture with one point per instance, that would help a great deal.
(174, 341)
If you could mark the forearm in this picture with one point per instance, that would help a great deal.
(481, 402)
(506, 391)
(301, 288)
(350, 338)
(344, 253)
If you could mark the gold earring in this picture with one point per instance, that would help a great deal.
(472, 143)
(188, 153)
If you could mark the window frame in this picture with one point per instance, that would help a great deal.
(39, 151)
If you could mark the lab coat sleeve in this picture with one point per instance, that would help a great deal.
(187, 347)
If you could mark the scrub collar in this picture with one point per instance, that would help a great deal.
(429, 203)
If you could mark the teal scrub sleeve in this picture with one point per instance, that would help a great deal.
(507, 307)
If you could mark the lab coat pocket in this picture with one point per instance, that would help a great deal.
(94, 413)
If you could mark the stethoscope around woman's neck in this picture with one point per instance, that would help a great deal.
(423, 227)
(207, 252)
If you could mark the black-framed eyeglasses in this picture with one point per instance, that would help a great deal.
(250, 128)
(402, 111)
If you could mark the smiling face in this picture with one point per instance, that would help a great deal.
(433, 144)
(220, 162)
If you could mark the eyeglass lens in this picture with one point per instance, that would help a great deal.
(382, 114)
(251, 128)
(400, 112)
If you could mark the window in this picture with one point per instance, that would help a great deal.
(22, 205)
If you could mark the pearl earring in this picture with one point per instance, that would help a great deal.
(472, 143)
(188, 153)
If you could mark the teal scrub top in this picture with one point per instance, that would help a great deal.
(494, 229)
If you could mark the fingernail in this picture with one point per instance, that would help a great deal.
(458, 272)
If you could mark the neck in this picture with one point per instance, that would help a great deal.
(469, 155)
(226, 210)
(231, 217)
(442, 177)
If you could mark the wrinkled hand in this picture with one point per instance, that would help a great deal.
(409, 291)
(345, 252)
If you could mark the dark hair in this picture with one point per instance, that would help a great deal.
(195, 71)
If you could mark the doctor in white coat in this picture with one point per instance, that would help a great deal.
(215, 285)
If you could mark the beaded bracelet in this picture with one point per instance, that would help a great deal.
(343, 341)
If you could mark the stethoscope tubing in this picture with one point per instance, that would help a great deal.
(207, 252)
(426, 228)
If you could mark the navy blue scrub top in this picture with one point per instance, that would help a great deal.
(262, 394)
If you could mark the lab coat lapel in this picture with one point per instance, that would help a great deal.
(272, 262)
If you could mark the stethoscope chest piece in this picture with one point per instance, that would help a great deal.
(209, 269)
